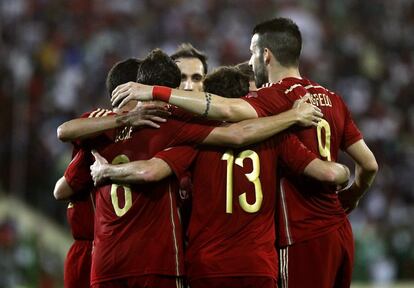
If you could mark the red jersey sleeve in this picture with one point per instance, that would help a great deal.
(77, 173)
(351, 131)
(268, 101)
(178, 158)
(293, 153)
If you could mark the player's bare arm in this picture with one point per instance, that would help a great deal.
(81, 128)
(62, 189)
(329, 172)
(366, 168)
(209, 105)
(143, 171)
(256, 130)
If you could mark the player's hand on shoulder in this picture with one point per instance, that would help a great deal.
(146, 114)
(99, 112)
(98, 168)
(307, 114)
(124, 93)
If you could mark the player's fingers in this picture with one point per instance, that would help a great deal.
(137, 107)
(318, 113)
(95, 154)
(120, 88)
(98, 157)
(150, 123)
(315, 108)
(124, 101)
(116, 93)
(157, 112)
(157, 119)
(120, 97)
(151, 105)
(305, 98)
(316, 118)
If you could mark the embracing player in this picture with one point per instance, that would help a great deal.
(275, 48)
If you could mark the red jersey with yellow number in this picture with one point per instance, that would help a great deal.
(308, 208)
(232, 227)
(80, 212)
(137, 227)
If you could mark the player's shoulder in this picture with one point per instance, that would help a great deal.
(271, 88)
(97, 112)
(316, 86)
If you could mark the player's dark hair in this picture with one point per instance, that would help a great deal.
(186, 50)
(246, 69)
(158, 69)
(122, 72)
(282, 37)
(227, 81)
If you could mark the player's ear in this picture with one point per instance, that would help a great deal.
(267, 56)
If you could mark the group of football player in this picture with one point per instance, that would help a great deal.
(179, 187)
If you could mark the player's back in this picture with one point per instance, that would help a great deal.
(310, 208)
(137, 227)
(231, 230)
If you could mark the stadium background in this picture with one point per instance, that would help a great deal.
(54, 58)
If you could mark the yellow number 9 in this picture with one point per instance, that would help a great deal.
(324, 146)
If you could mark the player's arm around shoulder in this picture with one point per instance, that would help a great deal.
(62, 190)
(366, 168)
(206, 104)
(329, 172)
(86, 126)
(142, 171)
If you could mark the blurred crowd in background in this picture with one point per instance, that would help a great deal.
(55, 55)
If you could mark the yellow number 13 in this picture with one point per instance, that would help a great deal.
(252, 177)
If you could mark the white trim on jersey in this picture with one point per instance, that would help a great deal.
(177, 261)
(290, 89)
(284, 271)
(315, 87)
(284, 209)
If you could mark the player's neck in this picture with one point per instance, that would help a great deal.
(279, 73)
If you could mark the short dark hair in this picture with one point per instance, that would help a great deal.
(186, 50)
(227, 81)
(282, 37)
(246, 69)
(158, 69)
(122, 72)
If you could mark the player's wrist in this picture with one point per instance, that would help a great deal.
(161, 93)
(293, 116)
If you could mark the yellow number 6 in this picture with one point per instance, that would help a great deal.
(127, 190)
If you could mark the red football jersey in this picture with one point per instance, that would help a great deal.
(80, 212)
(80, 216)
(308, 208)
(137, 228)
(232, 227)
